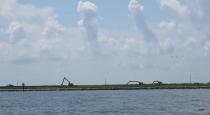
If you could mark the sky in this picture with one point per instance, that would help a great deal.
(93, 41)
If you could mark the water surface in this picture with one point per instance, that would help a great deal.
(115, 102)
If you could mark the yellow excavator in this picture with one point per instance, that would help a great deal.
(69, 83)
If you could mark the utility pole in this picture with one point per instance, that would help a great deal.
(190, 78)
(23, 86)
(16, 82)
(105, 81)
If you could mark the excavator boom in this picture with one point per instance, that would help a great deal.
(65, 79)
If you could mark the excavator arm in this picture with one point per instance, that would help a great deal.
(65, 79)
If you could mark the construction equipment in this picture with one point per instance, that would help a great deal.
(69, 83)
(138, 82)
(9, 85)
(157, 83)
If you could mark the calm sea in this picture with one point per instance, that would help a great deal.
(117, 102)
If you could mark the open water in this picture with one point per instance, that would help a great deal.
(115, 102)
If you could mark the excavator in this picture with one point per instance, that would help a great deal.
(69, 83)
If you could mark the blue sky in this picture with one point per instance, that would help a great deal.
(114, 14)
(88, 41)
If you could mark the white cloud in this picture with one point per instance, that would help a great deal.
(174, 5)
(86, 7)
(52, 27)
(135, 7)
(169, 25)
(12, 9)
(29, 32)
(6, 7)
(89, 21)
(16, 31)
(136, 10)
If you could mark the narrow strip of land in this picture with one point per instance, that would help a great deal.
(105, 87)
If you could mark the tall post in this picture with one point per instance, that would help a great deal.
(190, 78)
(23, 86)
